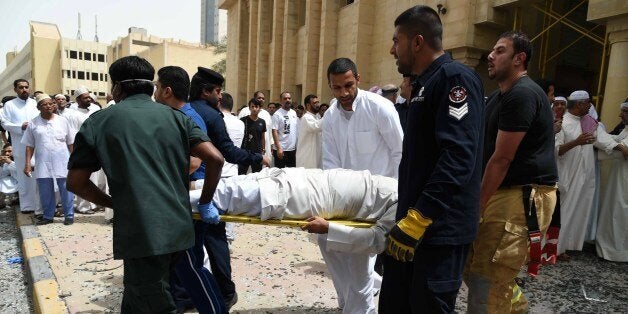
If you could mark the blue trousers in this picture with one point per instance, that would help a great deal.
(48, 199)
(198, 282)
(429, 284)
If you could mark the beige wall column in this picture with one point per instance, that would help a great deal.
(289, 47)
(467, 55)
(313, 32)
(616, 90)
(276, 51)
(265, 18)
(327, 47)
(250, 84)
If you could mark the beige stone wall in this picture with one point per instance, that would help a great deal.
(19, 67)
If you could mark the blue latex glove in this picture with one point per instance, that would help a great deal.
(209, 213)
(14, 260)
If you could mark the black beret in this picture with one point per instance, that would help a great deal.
(205, 75)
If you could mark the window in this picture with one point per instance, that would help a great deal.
(94, 76)
(101, 57)
(101, 77)
(81, 55)
(105, 77)
(102, 94)
(67, 53)
(88, 56)
(67, 74)
(72, 92)
(73, 75)
(72, 54)
(81, 75)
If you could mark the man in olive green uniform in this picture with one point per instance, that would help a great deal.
(144, 149)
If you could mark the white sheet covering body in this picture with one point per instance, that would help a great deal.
(14, 113)
(612, 234)
(298, 193)
(370, 140)
(576, 173)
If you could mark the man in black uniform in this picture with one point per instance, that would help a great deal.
(439, 174)
(205, 97)
(519, 185)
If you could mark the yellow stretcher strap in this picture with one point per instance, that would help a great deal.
(283, 222)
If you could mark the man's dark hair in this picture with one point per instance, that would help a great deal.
(544, 84)
(272, 103)
(253, 101)
(309, 97)
(520, 43)
(67, 98)
(177, 79)
(19, 81)
(258, 92)
(7, 98)
(341, 66)
(422, 20)
(136, 69)
(6, 145)
(227, 101)
(300, 107)
(284, 92)
(197, 85)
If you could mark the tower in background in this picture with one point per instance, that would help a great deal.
(213, 22)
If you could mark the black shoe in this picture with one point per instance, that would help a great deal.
(27, 211)
(38, 216)
(68, 221)
(43, 221)
(232, 302)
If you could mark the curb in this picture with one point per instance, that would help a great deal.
(44, 286)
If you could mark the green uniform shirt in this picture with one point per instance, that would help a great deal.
(144, 149)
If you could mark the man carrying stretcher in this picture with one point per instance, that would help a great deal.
(316, 195)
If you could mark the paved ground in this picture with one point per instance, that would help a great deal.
(279, 270)
(13, 282)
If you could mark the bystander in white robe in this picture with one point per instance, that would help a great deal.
(310, 144)
(8, 181)
(268, 135)
(298, 193)
(612, 231)
(14, 113)
(76, 119)
(576, 181)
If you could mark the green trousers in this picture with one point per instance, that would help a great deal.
(146, 284)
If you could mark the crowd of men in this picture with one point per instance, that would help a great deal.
(485, 185)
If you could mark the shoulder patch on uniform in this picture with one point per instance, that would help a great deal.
(457, 94)
(460, 112)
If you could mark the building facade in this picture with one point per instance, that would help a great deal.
(277, 45)
(161, 52)
(56, 65)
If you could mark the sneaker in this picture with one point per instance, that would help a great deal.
(43, 221)
(68, 221)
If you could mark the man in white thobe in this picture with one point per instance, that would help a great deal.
(83, 108)
(612, 235)
(235, 129)
(361, 131)
(266, 116)
(576, 169)
(15, 116)
(309, 144)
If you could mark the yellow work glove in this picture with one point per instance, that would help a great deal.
(406, 235)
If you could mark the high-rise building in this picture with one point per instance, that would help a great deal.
(213, 22)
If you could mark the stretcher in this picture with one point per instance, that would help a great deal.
(284, 222)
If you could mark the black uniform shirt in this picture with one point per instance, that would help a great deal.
(440, 170)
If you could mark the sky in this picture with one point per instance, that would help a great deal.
(163, 18)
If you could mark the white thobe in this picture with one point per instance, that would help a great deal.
(50, 139)
(576, 181)
(76, 116)
(612, 234)
(370, 140)
(14, 113)
(309, 145)
(268, 135)
(8, 181)
(235, 129)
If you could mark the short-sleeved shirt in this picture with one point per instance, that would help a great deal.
(190, 112)
(523, 108)
(144, 149)
(286, 123)
(253, 133)
(50, 139)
